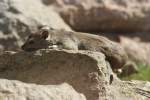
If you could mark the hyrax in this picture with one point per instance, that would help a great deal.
(61, 39)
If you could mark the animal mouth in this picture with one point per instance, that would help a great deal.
(28, 49)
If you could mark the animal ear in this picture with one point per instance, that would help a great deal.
(44, 34)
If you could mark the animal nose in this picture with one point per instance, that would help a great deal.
(23, 47)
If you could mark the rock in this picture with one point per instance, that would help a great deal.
(84, 72)
(130, 90)
(137, 50)
(106, 15)
(16, 90)
(19, 18)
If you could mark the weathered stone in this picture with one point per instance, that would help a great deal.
(106, 15)
(137, 50)
(130, 90)
(16, 90)
(87, 72)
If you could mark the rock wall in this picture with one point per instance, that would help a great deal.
(86, 72)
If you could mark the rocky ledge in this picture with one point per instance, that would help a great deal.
(64, 75)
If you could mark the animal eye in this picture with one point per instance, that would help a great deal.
(30, 36)
(31, 42)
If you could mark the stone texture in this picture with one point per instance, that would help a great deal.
(16, 90)
(130, 90)
(137, 50)
(106, 15)
(18, 18)
(87, 72)
(82, 70)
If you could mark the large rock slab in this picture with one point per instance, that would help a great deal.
(16, 90)
(87, 72)
(18, 18)
(79, 69)
(106, 15)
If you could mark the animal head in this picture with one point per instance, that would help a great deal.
(37, 41)
(50, 38)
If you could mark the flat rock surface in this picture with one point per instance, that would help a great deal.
(87, 72)
(79, 69)
(16, 90)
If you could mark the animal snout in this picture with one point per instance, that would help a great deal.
(23, 47)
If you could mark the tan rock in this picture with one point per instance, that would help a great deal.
(137, 50)
(84, 73)
(106, 15)
(16, 90)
